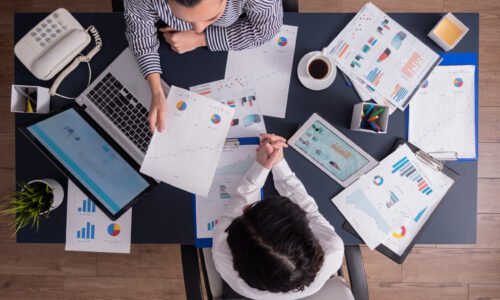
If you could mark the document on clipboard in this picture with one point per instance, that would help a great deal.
(389, 205)
(237, 157)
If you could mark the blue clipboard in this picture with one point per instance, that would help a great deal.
(207, 242)
(454, 59)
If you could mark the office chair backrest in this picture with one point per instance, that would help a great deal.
(288, 5)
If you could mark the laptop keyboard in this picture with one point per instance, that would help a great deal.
(123, 109)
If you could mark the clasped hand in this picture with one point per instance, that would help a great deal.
(183, 41)
(270, 150)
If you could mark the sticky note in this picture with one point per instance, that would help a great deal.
(448, 31)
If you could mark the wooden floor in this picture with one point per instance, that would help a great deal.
(154, 271)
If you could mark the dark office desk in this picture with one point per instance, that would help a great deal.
(166, 216)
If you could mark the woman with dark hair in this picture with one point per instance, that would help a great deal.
(219, 25)
(280, 247)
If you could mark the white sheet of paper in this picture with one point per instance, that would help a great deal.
(442, 115)
(387, 57)
(233, 164)
(400, 192)
(186, 153)
(271, 66)
(89, 229)
(239, 93)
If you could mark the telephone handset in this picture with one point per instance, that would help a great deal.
(53, 43)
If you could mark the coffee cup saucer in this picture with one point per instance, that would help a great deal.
(308, 82)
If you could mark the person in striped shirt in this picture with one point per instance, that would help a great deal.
(219, 25)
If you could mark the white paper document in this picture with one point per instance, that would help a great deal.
(89, 229)
(271, 66)
(239, 93)
(442, 118)
(186, 153)
(390, 203)
(376, 49)
(233, 164)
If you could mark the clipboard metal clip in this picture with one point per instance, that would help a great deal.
(429, 160)
(231, 143)
(444, 155)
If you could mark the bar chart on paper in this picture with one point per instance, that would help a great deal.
(87, 206)
(87, 232)
(89, 229)
(409, 170)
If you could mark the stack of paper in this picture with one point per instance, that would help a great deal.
(271, 67)
(389, 204)
(384, 61)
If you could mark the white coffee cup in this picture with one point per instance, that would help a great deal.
(320, 68)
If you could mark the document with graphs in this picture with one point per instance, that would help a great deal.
(386, 57)
(186, 153)
(390, 203)
(89, 229)
(237, 157)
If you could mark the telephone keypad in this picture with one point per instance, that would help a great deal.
(48, 30)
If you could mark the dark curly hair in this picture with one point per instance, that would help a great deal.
(273, 246)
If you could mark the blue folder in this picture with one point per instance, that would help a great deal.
(207, 242)
(454, 59)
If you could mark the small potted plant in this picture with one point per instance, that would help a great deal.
(32, 201)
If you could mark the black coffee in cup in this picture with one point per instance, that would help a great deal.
(318, 68)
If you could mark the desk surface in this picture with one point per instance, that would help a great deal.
(165, 216)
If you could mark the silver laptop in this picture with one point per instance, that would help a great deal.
(118, 100)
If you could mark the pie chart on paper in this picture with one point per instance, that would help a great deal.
(282, 41)
(215, 118)
(113, 229)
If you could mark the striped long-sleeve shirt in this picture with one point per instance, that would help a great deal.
(244, 24)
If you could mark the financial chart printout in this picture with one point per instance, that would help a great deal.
(186, 153)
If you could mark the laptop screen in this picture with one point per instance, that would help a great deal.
(90, 159)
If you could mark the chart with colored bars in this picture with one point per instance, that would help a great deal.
(399, 93)
(87, 206)
(211, 224)
(374, 76)
(407, 169)
(412, 65)
(86, 233)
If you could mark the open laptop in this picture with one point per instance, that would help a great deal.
(89, 157)
(100, 141)
(118, 100)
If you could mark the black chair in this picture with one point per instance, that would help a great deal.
(198, 271)
(288, 5)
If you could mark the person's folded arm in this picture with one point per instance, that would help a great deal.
(141, 34)
(262, 21)
(288, 185)
(248, 191)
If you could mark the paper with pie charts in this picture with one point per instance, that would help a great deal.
(391, 202)
(186, 153)
(239, 93)
(89, 229)
(271, 67)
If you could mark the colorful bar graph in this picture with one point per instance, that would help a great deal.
(412, 65)
(399, 93)
(374, 76)
(393, 199)
(407, 169)
(211, 224)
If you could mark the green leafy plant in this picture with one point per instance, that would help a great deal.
(29, 204)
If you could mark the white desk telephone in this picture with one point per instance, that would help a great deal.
(47, 48)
